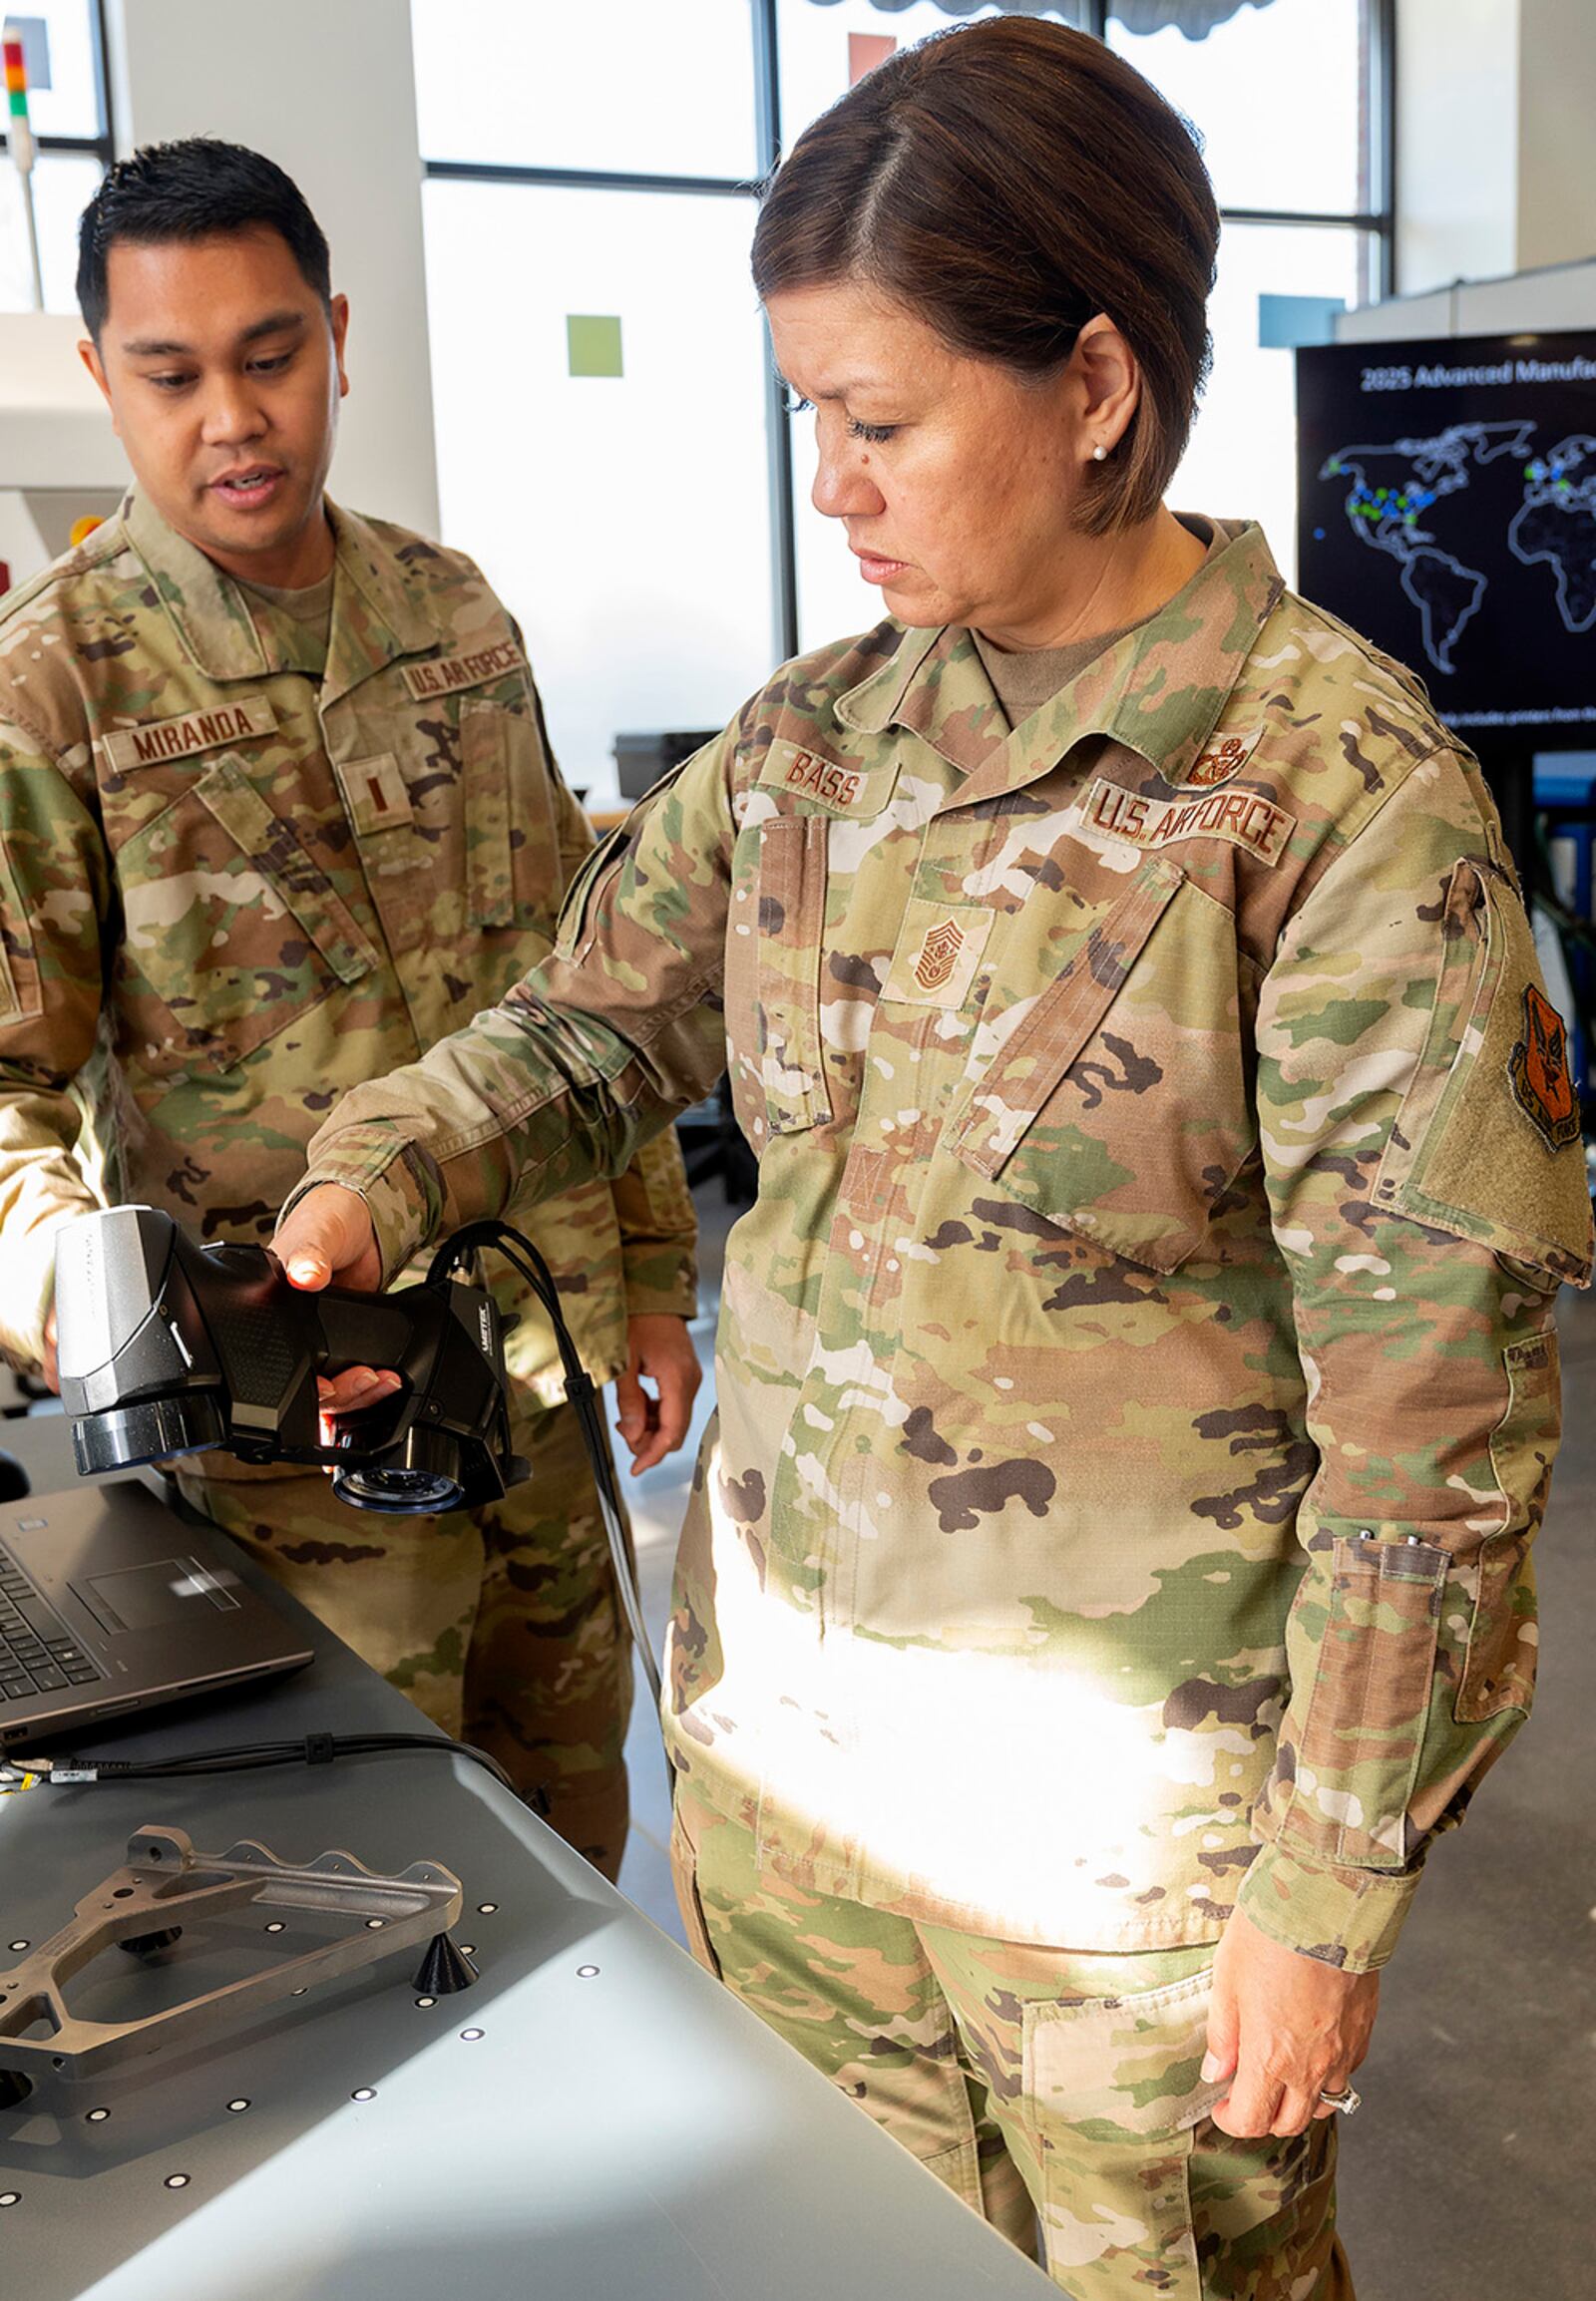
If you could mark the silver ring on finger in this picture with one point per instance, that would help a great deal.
(1349, 2101)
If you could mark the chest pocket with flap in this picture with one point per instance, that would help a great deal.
(1120, 1105)
(512, 858)
(230, 922)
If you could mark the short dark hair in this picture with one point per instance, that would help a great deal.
(193, 189)
(1007, 181)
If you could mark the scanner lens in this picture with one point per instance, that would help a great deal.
(402, 1492)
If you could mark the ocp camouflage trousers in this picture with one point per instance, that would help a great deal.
(1049, 2088)
(502, 1625)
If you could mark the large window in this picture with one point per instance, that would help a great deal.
(610, 443)
(71, 121)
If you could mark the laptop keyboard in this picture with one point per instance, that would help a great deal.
(37, 1653)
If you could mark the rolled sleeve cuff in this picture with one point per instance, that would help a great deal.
(660, 1281)
(383, 1168)
(1348, 1918)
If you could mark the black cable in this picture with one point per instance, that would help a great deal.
(580, 1392)
(250, 1757)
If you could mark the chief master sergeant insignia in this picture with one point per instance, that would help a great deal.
(1224, 757)
(1538, 1068)
(938, 955)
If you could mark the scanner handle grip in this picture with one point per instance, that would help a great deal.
(370, 1331)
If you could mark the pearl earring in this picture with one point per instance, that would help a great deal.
(1099, 454)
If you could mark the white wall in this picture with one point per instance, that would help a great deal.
(1558, 103)
(1457, 139)
(326, 88)
(1495, 173)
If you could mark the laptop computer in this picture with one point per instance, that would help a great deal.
(109, 1602)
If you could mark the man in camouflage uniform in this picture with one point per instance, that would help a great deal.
(276, 813)
(1137, 1377)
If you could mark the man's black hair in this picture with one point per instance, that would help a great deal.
(193, 189)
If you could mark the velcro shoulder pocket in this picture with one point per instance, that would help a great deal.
(1486, 1143)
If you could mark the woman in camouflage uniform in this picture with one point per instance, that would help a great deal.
(1137, 1381)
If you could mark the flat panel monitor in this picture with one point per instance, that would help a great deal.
(1446, 496)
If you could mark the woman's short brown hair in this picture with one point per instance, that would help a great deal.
(1007, 181)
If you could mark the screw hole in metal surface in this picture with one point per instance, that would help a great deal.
(468, 1949)
(10, 2196)
(96, 2117)
(426, 2000)
(374, 1925)
(486, 1908)
(299, 1993)
(19, 1945)
(586, 1973)
(471, 2036)
(176, 2181)
(277, 1926)
(242, 2102)
(364, 2094)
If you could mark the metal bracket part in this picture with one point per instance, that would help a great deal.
(144, 1907)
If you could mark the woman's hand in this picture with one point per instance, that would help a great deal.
(328, 1239)
(1285, 2028)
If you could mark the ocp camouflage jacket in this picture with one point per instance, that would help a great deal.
(1137, 1382)
(228, 892)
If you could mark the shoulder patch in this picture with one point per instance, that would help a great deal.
(1543, 1085)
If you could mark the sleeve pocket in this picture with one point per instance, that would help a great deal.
(1499, 1667)
(575, 930)
(1363, 1734)
(21, 997)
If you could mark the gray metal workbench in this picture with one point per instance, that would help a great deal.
(620, 2126)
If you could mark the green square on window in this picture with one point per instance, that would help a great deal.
(592, 344)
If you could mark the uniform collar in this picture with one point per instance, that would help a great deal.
(1160, 690)
(375, 614)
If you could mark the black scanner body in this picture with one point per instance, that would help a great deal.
(168, 1348)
